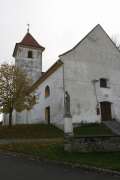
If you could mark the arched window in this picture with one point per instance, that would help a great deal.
(30, 54)
(47, 91)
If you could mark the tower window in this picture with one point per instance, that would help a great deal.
(30, 54)
(103, 82)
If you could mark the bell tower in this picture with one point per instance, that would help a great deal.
(28, 56)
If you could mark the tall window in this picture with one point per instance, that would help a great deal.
(103, 82)
(30, 54)
(47, 91)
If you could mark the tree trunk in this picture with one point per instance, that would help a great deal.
(10, 117)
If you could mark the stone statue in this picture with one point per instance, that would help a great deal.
(67, 105)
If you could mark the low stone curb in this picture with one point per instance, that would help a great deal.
(39, 140)
(83, 167)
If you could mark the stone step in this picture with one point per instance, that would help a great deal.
(114, 126)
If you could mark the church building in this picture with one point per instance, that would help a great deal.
(89, 72)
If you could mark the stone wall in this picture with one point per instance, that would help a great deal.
(92, 143)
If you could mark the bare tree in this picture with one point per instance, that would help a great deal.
(14, 90)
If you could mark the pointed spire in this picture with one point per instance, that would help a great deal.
(28, 41)
(28, 28)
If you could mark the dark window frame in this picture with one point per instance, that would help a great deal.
(103, 83)
(30, 54)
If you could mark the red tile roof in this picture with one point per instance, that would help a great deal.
(28, 41)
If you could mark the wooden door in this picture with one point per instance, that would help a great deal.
(47, 114)
(105, 111)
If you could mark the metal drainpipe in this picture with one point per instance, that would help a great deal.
(97, 106)
(64, 84)
(94, 81)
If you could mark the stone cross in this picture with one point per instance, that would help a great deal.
(28, 25)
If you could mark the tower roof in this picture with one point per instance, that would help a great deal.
(28, 41)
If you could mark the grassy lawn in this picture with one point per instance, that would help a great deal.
(92, 129)
(53, 150)
(109, 160)
(50, 131)
(30, 131)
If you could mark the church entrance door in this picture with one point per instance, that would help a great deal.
(105, 111)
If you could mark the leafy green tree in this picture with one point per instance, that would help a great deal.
(15, 90)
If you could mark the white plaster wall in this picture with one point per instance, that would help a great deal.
(6, 118)
(94, 58)
(32, 66)
(55, 101)
(17, 118)
(21, 117)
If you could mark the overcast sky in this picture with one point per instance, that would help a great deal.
(56, 24)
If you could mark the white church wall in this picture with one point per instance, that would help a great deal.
(94, 58)
(6, 118)
(80, 88)
(55, 100)
(21, 117)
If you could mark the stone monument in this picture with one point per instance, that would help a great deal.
(68, 128)
(67, 105)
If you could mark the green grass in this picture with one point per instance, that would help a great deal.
(53, 150)
(30, 131)
(108, 160)
(92, 129)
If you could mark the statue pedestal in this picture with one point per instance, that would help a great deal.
(68, 127)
